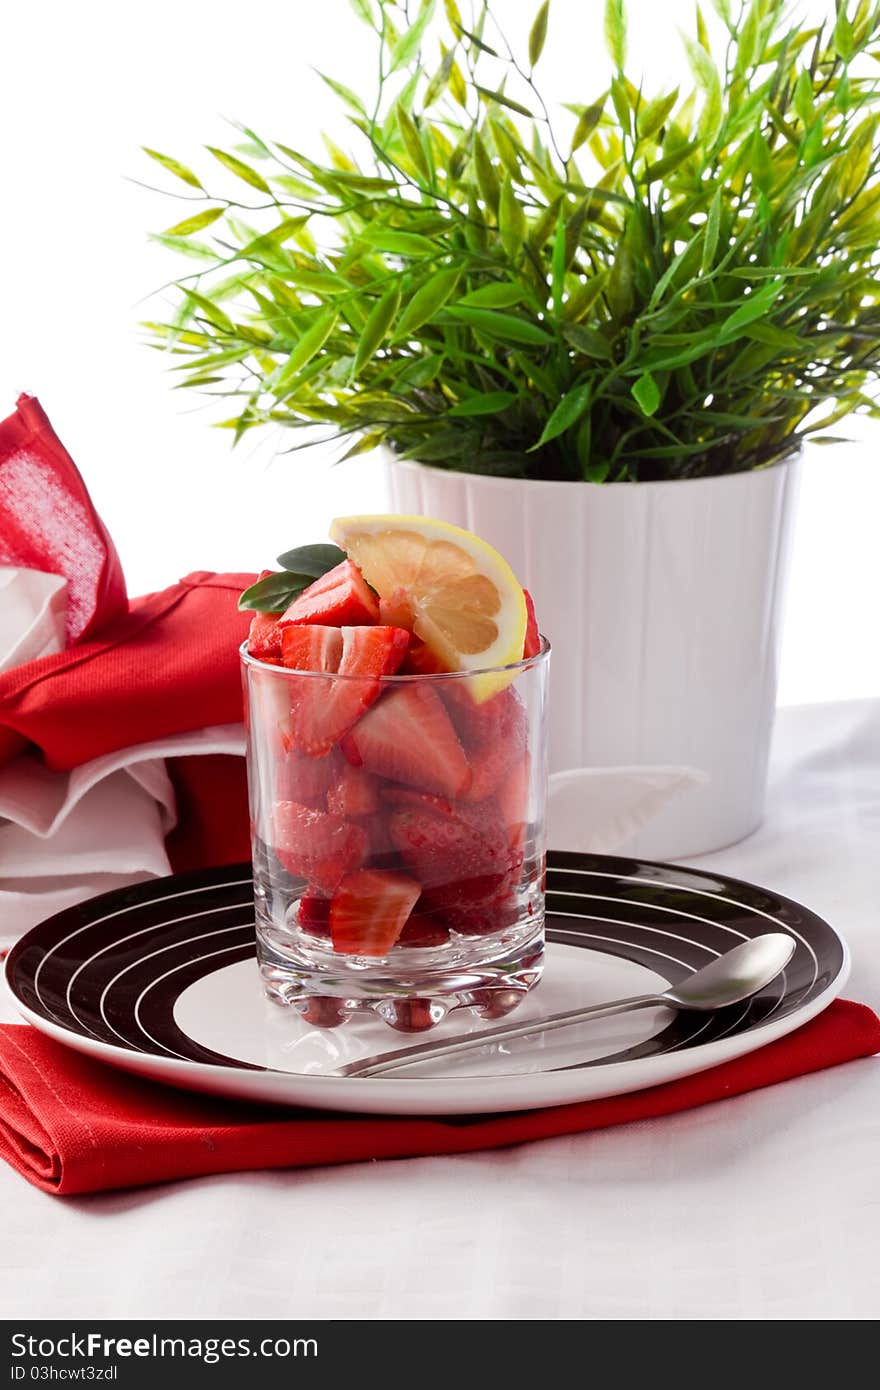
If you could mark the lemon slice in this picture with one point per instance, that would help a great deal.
(466, 603)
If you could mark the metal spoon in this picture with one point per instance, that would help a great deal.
(729, 979)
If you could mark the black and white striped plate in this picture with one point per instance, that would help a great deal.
(160, 979)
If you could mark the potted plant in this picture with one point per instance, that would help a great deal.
(602, 351)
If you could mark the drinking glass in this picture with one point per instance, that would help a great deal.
(399, 860)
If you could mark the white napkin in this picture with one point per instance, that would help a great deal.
(33, 610)
(597, 810)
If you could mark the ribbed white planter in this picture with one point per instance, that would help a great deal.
(663, 605)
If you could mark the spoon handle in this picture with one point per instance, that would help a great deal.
(384, 1063)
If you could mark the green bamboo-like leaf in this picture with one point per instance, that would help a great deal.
(654, 114)
(410, 41)
(240, 169)
(180, 171)
(747, 39)
(488, 404)
(345, 93)
(538, 33)
(212, 312)
(512, 225)
(756, 305)
(669, 162)
(196, 250)
(710, 234)
(567, 413)
(844, 40)
(588, 119)
(308, 346)
(376, 329)
(364, 11)
(427, 300)
(195, 223)
(615, 32)
(582, 299)
(495, 296)
(557, 265)
(440, 81)
(647, 394)
(503, 100)
(709, 81)
(413, 143)
(505, 327)
(398, 243)
(703, 41)
(587, 340)
(487, 179)
(803, 99)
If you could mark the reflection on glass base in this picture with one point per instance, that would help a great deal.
(489, 976)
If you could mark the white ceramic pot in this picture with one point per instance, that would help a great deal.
(663, 604)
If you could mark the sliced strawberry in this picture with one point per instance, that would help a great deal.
(532, 643)
(513, 799)
(340, 598)
(420, 660)
(264, 638)
(311, 648)
(461, 854)
(354, 793)
(304, 779)
(423, 930)
(315, 845)
(369, 911)
(324, 710)
(396, 610)
(313, 913)
(483, 916)
(493, 734)
(408, 737)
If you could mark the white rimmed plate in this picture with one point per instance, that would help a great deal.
(160, 979)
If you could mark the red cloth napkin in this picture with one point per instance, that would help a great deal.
(70, 1125)
(48, 522)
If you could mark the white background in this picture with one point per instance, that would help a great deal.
(84, 87)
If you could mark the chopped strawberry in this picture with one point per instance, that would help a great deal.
(513, 799)
(304, 779)
(408, 737)
(311, 648)
(396, 610)
(423, 930)
(353, 793)
(315, 845)
(532, 643)
(369, 911)
(313, 913)
(461, 854)
(324, 710)
(264, 638)
(493, 734)
(482, 916)
(420, 660)
(340, 598)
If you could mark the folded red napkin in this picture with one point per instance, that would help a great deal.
(71, 1125)
(48, 522)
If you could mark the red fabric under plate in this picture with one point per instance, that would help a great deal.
(70, 1125)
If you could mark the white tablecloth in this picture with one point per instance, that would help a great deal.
(765, 1206)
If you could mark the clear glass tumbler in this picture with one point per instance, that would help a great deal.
(398, 829)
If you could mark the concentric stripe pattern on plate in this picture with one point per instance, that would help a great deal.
(113, 968)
